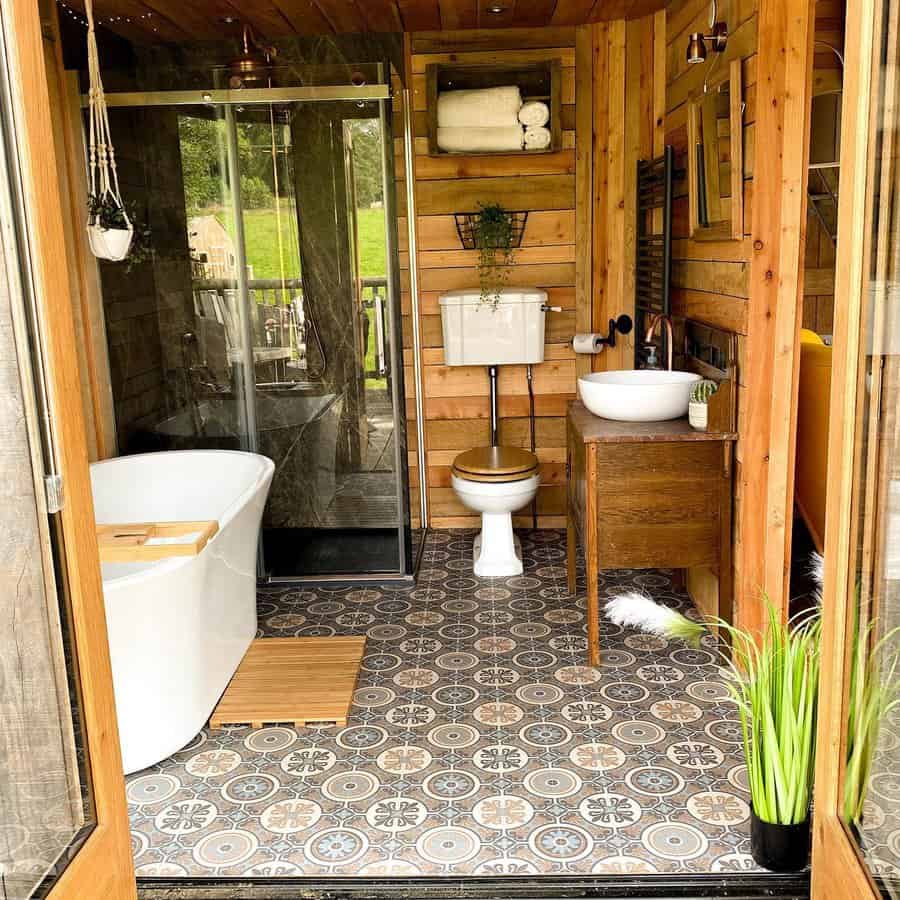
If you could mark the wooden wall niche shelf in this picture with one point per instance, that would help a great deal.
(712, 353)
(647, 495)
(537, 80)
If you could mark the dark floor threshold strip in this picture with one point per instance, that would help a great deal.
(545, 887)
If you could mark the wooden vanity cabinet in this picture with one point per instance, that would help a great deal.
(647, 495)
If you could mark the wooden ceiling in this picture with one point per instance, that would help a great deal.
(191, 20)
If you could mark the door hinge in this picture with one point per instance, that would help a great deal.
(53, 486)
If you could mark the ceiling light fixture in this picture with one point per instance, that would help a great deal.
(497, 9)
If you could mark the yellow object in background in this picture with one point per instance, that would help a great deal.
(811, 472)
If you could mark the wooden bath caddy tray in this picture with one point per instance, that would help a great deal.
(151, 541)
(303, 681)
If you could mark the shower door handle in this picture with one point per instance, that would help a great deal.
(380, 355)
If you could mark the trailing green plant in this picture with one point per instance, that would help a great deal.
(703, 390)
(141, 250)
(494, 235)
(774, 682)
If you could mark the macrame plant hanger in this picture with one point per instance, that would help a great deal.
(109, 228)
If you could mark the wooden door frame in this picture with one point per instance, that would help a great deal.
(103, 867)
(836, 858)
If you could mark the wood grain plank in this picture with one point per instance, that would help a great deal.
(464, 194)
(514, 39)
(566, 56)
(546, 275)
(518, 164)
(544, 227)
(718, 310)
(419, 15)
(439, 259)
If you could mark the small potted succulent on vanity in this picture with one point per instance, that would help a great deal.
(698, 407)
(773, 680)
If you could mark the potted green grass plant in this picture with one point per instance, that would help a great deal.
(873, 692)
(774, 682)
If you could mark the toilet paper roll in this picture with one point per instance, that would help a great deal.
(587, 343)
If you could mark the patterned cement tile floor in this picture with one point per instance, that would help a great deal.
(479, 743)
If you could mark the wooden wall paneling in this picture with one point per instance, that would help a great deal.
(636, 142)
(599, 187)
(628, 123)
(456, 399)
(584, 220)
(784, 79)
(453, 41)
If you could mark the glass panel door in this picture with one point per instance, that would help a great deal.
(871, 799)
(857, 787)
(46, 795)
(287, 342)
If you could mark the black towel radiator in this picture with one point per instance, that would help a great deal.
(653, 265)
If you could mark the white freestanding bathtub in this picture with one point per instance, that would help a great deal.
(179, 627)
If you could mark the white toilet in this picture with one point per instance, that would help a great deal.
(493, 480)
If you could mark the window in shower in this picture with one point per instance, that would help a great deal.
(277, 316)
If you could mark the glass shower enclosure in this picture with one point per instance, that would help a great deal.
(288, 341)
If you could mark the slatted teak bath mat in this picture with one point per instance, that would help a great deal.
(304, 681)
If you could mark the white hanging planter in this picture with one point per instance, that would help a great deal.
(110, 243)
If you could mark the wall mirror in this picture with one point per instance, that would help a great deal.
(715, 158)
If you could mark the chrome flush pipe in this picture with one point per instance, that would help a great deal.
(651, 332)
(529, 375)
(495, 436)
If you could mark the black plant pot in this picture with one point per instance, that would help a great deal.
(779, 848)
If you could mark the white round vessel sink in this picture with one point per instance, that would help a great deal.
(640, 395)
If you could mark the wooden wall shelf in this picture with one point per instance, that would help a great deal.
(537, 81)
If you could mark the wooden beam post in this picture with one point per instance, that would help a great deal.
(784, 78)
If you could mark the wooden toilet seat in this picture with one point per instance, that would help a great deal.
(495, 464)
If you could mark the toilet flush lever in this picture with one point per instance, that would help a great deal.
(546, 308)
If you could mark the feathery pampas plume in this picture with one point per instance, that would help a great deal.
(636, 610)
(817, 573)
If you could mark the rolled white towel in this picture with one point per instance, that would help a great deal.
(484, 108)
(480, 140)
(534, 113)
(537, 138)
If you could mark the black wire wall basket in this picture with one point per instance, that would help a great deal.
(468, 230)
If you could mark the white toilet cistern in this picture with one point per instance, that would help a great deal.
(495, 480)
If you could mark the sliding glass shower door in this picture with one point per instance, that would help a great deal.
(291, 347)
